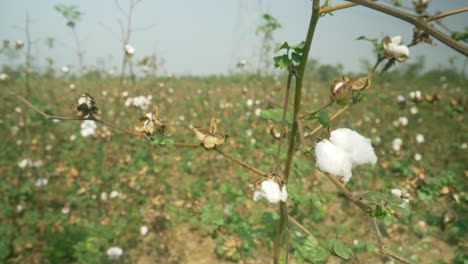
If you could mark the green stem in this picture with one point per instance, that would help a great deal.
(292, 139)
(299, 80)
(283, 119)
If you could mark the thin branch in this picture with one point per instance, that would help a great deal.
(294, 221)
(367, 210)
(243, 164)
(364, 207)
(418, 22)
(383, 248)
(448, 13)
(137, 29)
(186, 145)
(120, 8)
(333, 117)
(316, 111)
(328, 9)
(283, 119)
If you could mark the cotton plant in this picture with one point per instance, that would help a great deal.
(342, 151)
(337, 154)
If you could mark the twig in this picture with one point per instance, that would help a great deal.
(328, 9)
(243, 164)
(364, 207)
(294, 221)
(367, 210)
(316, 111)
(448, 13)
(383, 248)
(418, 22)
(333, 117)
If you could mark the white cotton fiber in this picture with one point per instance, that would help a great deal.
(332, 159)
(358, 147)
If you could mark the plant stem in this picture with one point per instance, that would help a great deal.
(28, 55)
(448, 13)
(240, 162)
(333, 117)
(334, 8)
(364, 207)
(418, 22)
(297, 104)
(283, 119)
(79, 52)
(299, 80)
(367, 210)
(316, 111)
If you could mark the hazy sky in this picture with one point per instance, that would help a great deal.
(210, 36)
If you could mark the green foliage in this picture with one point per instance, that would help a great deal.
(162, 140)
(312, 251)
(378, 47)
(275, 115)
(70, 12)
(386, 204)
(293, 56)
(270, 25)
(195, 194)
(463, 36)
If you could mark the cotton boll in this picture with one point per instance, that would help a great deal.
(270, 190)
(143, 230)
(333, 160)
(419, 138)
(358, 147)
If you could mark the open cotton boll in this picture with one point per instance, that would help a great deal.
(332, 159)
(270, 190)
(358, 147)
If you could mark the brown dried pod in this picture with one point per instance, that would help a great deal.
(361, 84)
(210, 138)
(151, 123)
(341, 89)
(274, 130)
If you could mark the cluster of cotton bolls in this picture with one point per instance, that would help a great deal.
(24, 163)
(142, 102)
(41, 182)
(344, 150)
(88, 128)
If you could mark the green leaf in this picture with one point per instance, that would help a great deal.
(296, 57)
(324, 119)
(279, 47)
(299, 48)
(282, 61)
(274, 114)
(312, 251)
(403, 209)
(161, 140)
(341, 250)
